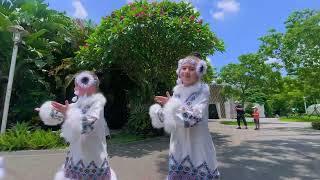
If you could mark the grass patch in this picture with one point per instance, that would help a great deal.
(123, 137)
(300, 119)
(234, 123)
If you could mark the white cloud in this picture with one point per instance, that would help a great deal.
(195, 9)
(80, 11)
(218, 15)
(225, 7)
(271, 60)
(229, 6)
(274, 61)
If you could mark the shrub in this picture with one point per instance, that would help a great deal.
(139, 121)
(316, 125)
(21, 137)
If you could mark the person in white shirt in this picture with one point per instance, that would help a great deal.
(185, 116)
(84, 127)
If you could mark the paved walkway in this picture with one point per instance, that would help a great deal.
(277, 151)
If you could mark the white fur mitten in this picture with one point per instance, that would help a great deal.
(49, 116)
(157, 118)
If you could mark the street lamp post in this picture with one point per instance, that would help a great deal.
(305, 104)
(18, 32)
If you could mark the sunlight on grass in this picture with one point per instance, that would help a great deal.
(234, 123)
(301, 119)
(125, 137)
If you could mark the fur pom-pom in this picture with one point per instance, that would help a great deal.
(169, 112)
(49, 116)
(201, 68)
(60, 174)
(71, 128)
(113, 175)
(155, 119)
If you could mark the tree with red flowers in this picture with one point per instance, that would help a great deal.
(146, 40)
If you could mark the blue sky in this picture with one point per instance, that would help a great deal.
(239, 23)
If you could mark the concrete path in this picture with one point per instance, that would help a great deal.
(277, 151)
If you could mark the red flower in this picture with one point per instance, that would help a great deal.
(200, 21)
(192, 18)
(142, 13)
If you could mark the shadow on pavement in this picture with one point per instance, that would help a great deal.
(271, 160)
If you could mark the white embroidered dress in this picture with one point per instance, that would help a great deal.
(192, 154)
(84, 128)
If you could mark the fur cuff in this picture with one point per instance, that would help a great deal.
(49, 116)
(71, 128)
(169, 112)
(155, 116)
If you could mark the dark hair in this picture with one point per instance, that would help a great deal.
(197, 54)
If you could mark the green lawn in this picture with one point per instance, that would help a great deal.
(125, 137)
(235, 123)
(300, 119)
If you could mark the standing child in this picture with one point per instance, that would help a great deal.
(256, 116)
(185, 115)
(84, 128)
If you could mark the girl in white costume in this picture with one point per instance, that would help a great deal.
(84, 127)
(185, 115)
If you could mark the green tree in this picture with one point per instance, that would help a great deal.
(298, 49)
(145, 41)
(252, 80)
(288, 98)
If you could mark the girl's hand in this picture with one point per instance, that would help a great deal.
(162, 99)
(60, 107)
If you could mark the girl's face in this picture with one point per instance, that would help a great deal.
(82, 92)
(188, 74)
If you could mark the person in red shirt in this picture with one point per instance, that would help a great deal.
(256, 115)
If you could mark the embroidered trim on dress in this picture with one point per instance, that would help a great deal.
(92, 171)
(56, 115)
(160, 115)
(186, 170)
(190, 117)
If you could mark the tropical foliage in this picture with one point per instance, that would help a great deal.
(45, 56)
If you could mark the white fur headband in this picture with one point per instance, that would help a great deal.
(201, 66)
(86, 79)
